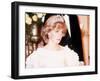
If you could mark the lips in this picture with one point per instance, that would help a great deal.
(58, 39)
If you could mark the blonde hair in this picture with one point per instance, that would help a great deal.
(52, 23)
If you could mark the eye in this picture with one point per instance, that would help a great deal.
(63, 33)
(56, 31)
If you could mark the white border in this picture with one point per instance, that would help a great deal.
(23, 71)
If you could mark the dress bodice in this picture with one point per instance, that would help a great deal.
(52, 58)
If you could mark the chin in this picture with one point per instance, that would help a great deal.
(57, 42)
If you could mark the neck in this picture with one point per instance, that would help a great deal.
(53, 46)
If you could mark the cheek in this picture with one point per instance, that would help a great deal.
(52, 36)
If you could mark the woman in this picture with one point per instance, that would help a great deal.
(53, 54)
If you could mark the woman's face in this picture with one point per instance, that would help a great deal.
(56, 34)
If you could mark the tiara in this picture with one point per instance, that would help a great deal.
(53, 19)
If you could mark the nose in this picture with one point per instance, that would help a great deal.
(60, 34)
